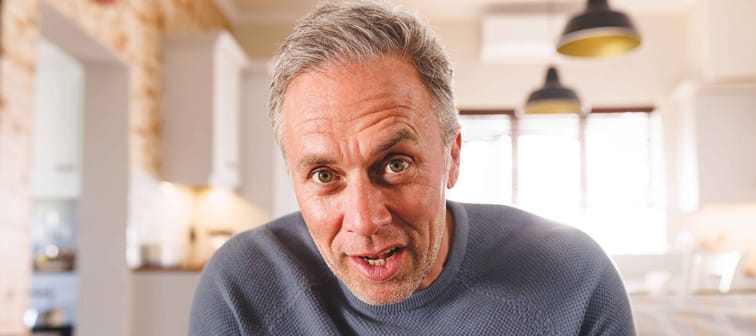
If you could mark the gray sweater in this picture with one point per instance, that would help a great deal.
(508, 273)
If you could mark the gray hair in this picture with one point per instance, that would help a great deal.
(358, 31)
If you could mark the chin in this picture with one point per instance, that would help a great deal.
(381, 299)
(383, 294)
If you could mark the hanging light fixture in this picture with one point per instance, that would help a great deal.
(598, 32)
(553, 97)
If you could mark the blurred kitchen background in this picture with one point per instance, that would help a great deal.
(134, 142)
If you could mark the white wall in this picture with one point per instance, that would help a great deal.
(284, 199)
(257, 148)
(104, 277)
(639, 78)
(680, 158)
(723, 40)
(265, 182)
(162, 302)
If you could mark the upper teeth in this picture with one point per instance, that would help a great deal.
(376, 262)
(380, 261)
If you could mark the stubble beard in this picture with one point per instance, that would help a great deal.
(403, 287)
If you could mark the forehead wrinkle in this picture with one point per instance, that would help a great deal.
(313, 124)
(398, 137)
(364, 105)
(394, 128)
(396, 115)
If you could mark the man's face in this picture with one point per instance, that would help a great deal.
(370, 168)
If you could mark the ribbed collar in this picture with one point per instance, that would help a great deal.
(437, 288)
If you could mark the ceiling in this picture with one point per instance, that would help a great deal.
(252, 12)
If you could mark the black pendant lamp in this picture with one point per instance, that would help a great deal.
(598, 32)
(553, 97)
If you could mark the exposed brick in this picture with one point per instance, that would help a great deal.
(132, 28)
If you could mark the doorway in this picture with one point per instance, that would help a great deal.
(87, 172)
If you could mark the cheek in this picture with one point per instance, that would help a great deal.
(427, 189)
(322, 220)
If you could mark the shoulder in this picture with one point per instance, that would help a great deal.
(515, 229)
(540, 271)
(530, 247)
(282, 247)
(255, 277)
(554, 270)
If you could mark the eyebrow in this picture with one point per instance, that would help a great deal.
(314, 160)
(385, 145)
(398, 137)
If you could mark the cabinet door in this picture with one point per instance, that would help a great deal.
(201, 109)
(725, 121)
(57, 130)
(227, 78)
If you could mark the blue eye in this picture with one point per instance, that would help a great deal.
(396, 166)
(323, 176)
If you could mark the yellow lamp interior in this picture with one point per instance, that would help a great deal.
(600, 46)
(553, 106)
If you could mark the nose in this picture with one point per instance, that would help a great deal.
(365, 210)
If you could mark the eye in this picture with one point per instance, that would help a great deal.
(323, 176)
(396, 166)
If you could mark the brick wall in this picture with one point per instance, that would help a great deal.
(19, 35)
(133, 29)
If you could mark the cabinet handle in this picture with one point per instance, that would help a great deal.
(65, 168)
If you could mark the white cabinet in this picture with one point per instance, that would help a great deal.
(56, 172)
(709, 146)
(201, 107)
(725, 117)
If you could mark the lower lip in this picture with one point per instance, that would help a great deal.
(383, 272)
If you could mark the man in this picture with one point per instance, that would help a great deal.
(363, 109)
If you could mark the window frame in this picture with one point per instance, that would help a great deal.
(515, 133)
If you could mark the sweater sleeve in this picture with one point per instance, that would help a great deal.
(608, 311)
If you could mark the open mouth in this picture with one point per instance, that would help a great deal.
(380, 259)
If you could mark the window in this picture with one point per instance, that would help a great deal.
(599, 173)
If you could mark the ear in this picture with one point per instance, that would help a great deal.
(454, 149)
